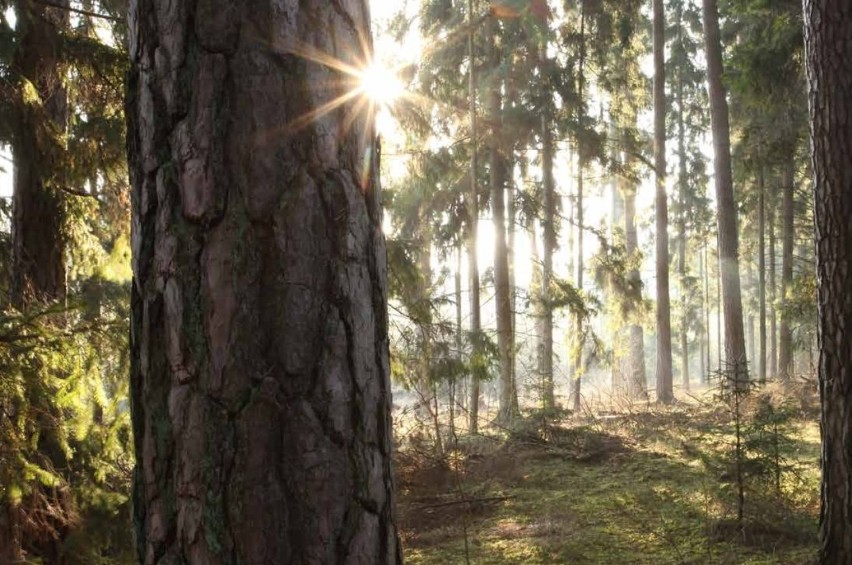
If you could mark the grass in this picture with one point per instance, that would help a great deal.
(644, 488)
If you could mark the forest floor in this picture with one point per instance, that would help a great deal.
(647, 485)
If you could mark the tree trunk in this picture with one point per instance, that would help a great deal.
(579, 330)
(761, 272)
(637, 385)
(736, 361)
(38, 240)
(578, 323)
(508, 402)
(664, 324)
(773, 317)
(549, 244)
(828, 39)
(473, 219)
(785, 337)
(681, 220)
(38, 245)
(260, 392)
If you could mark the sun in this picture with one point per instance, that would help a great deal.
(380, 84)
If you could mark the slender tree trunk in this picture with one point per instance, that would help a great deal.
(664, 324)
(459, 331)
(773, 317)
(637, 385)
(473, 219)
(719, 347)
(510, 252)
(785, 338)
(260, 386)
(549, 245)
(578, 319)
(705, 316)
(682, 207)
(828, 39)
(761, 271)
(735, 352)
(508, 401)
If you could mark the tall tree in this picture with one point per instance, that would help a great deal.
(545, 367)
(785, 330)
(472, 204)
(735, 351)
(664, 325)
(499, 165)
(259, 334)
(828, 39)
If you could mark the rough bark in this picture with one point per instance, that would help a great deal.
(785, 331)
(473, 219)
(664, 325)
(736, 361)
(259, 383)
(38, 240)
(508, 397)
(828, 39)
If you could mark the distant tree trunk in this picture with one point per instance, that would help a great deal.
(508, 402)
(705, 316)
(578, 319)
(773, 294)
(637, 385)
(512, 220)
(828, 39)
(664, 324)
(473, 219)
(38, 246)
(681, 220)
(260, 389)
(785, 339)
(736, 360)
(761, 271)
(549, 245)
(719, 346)
(38, 239)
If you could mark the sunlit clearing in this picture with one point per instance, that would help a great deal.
(380, 84)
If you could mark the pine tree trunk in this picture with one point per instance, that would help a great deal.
(637, 385)
(785, 333)
(773, 293)
(38, 239)
(664, 325)
(736, 361)
(259, 383)
(578, 319)
(761, 272)
(549, 244)
(681, 220)
(508, 401)
(579, 330)
(473, 220)
(828, 39)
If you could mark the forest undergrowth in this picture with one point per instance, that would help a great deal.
(629, 484)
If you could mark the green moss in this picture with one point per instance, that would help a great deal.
(656, 502)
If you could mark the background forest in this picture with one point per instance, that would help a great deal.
(602, 293)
